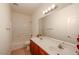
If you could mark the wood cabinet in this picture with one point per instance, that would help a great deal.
(42, 52)
(31, 47)
(36, 50)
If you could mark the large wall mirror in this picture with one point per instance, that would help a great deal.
(61, 25)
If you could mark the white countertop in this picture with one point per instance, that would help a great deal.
(50, 45)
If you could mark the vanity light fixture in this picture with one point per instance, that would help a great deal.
(49, 9)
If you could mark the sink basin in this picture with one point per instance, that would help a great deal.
(54, 50)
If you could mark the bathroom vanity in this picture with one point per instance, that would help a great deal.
(51, 46)
(36, 50)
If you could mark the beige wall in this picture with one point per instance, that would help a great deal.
(5, 29)
(62, 23)
(21, 29)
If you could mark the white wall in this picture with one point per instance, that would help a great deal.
(21, 29)
(5, 29)
(63, 23)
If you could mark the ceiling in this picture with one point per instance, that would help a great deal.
(30, 8)
(27, 8)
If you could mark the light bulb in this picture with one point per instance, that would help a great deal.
(49, 9)
(43, 12)
(53, 6)
(46, 11)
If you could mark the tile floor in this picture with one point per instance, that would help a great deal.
(21, 51)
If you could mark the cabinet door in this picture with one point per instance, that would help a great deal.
(34, 48)
(42, 52)
(31, 47)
